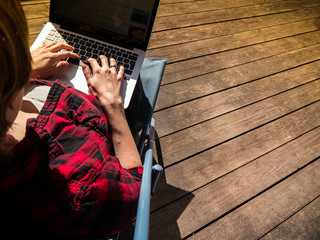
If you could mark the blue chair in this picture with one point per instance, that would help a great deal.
(150, 76)
(150, 80)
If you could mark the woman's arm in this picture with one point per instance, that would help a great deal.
(104, 82)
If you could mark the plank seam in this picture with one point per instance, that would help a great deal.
(217, 8)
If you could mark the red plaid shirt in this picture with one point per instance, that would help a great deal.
(63, 179)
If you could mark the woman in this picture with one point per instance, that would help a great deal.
(73, 169)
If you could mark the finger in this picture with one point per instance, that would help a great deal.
(48, 45)
(87, 72)
(64, 55)
(121, 72)
(104, 62)
(94, 65)
(91, 91)
(59, 46)
(113, 62)
(61, 65)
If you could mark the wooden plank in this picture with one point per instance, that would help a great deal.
(35, 25)
(272, 207)
(174, 1)
(40, 10)
(185, 7)
(190, 141)
(198, 18)
(218, 161)
(229, 42)
(302, 225)
(33, 2)
(195, 33)
(182, 91)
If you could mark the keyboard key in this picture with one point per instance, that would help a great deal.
(50, 37)
(52, 32)
(134, 58)
(129, 72)
(74, 61)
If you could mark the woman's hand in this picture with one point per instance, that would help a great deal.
(46, 60)
(104, 82)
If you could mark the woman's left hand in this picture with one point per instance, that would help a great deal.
(47, 59)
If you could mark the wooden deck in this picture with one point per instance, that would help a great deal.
(237, 118)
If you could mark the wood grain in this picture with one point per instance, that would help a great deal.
(302, 225)
(196, 33)
(187, 142)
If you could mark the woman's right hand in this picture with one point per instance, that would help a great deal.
(104, 82)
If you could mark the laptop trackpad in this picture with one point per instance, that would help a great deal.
(72, 76)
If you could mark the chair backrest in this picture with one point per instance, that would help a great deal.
(150, 79)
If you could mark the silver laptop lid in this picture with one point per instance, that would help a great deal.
(127, 23)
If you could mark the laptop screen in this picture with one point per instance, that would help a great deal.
(127, 23)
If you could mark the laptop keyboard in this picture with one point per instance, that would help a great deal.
(88, 48)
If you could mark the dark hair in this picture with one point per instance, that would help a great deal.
(15, 59)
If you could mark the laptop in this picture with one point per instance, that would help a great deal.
(119, 29)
